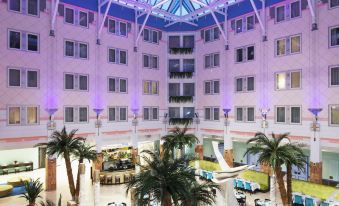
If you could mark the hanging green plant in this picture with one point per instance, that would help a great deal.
(180, 99)
(181, 75)
(180, 121)
(181, 50)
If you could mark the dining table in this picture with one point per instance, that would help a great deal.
(239, 195)
(264, 202)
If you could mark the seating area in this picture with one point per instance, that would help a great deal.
(14, 186)
(16, 167)
(112, 178)
(300, 199)
(245, 185)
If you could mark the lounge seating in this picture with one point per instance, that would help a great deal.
(5, 190)
(309, 202)
(18, 181)
(109, 179)
(325, 204)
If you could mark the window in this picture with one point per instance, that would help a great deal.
(83, 19)
(174, 41)
(288, 80)
(174, 112)
(31, 44)
(334, 76)
(212, 87)
(244, 84)
(188, 112)
(334, 36)
(23, 115)
(69, 15)
(111, 26)
(14, 116)
(212, 60)
(151, 113)
(30, 78)
(288, 114)
(15, 5)
(33, 7)
(250, 23)
(288, 45)
(123, 28)
(14, 40)
(117, 27)
(174, 89)
(295, 9)
(188, 65)
(244, 114)
(83, 51)
(151, 87)
(122, 113)
(76, 82)
(334, 3)
(280, 13)
(14, 79)
(117, 114)
(286, 12)
(116, 84)
(76, 49)
(111, 114)
(211, 34)
(334, 115)
(117, 56)
(150, 61)
(151, 36)
(212, 113)
(244, 54)
(188, 89)
(174, 65)
(76, 114)
(188, 41)
(238, 25)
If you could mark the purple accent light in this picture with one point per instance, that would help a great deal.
(51, 111)
(98, 111)
(226, 111)
(315, 111)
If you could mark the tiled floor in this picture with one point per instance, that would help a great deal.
(108, 193)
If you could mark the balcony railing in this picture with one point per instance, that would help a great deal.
(180, 121)
(180, 99)
(181, 75)
(181, 50)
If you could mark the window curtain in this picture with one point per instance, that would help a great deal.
(14, 115)
(295, 114)
(188, 65)
(174, 112)
(111, 114)
(174, 65)
(280, 114)
(174, 89)
(207, 113)
(69, 114)
(188, 41)
(83, 114)
(174, 42)
(188, 89)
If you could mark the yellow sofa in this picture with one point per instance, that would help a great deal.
(5, 190)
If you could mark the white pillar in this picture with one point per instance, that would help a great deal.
(96, 188)
(228, 145)
(82, 192)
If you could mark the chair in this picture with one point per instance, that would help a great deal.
(325, 204)
(242, 201)
(117, 179)
(248, 186)
(240, 184)
(256, 202)
(309, 201)
(234, 183)
(109, 179)
(102, 179)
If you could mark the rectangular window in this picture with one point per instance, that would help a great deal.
(83, 114)
(151, 36)
(295, 115)
(122, 113)
(151, 113)
(174, 112)
(334, 76)
(69, 114)
(69, 15)
(188, 89)
(211, 113)
(239, 55)
(15, 5)
(238, 26)
(123, 28)
(334, 3)
(32, 42)
(244, 84)
(83, 82)
(111, 84)
(111, 55)
(174, 65)
(32, 79)
(281, 47)
(76, 114)
(155, 38)
(14, 116)
(188, 112)
(212, 87)
(111, 26)
(334, 36)
(250, 23)
(239, 85)
(174, 89)
(116, 84)
(295, 44)
(83, 19)
(188, 41)
(146, 35)
(212, 60)
(188, 65)
(83, 48)
(295, 9)
(288, 45)
(33, 7)
(14, 79)
(288, 80)
(14, 40)
(76, 82)
(111, 114)
(211, 34)
(69, 48)
(150, 61)
(334, 115)
(151, 87)
(280, 114)
(32, 115)
(288, 114)
(69, 81)
(244, 54)
(245, 114)
(123, 57)
(280, 14)
(250, 53)
(123, 85)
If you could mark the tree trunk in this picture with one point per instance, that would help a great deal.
(281, 184)
(167, 199)
(273, 185)
(70, 175)
(31, 203)
(289, 184)
(77, 188)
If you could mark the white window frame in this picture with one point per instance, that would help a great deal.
(26, 33)
(244, 114)
(26, 80)
(245, 56)
(212, 63)
(150, 40)
(20, 114)
(244, 80)
(212, 39)
(76, 114)
(117, 88)
(286, 53)
(65, 15)
(74, 81)
(288, 114)
(38, 42)
(330, 75)
(330, 106)
(300, 11)
(117, 114)
(76, 56)
(21, 11)
(9, 8)
(290, 37)
(150, 56)
(68, 40)
(9, 39)
(150, 113)
(212, 82)
(331, 7)
(212, 117)
(329, 36)
(150, 92)
(87, 18)
(288, 82)
(87, 51)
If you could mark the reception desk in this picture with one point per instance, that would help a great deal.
(116, 177)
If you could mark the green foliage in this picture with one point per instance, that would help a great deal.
(33, 190)
(206, 165)
(85, 152)
(258, 177)
(181, 50)
(50, 203)
(181, 99)
(315, 190)
(180, 121)
(200, 193)
(181, 75)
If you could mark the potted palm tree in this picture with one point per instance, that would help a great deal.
(178, 138)
(33, 190)
(64, 144)
(275, 152)
(200, 194)
(83, 152)
(50, 203)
